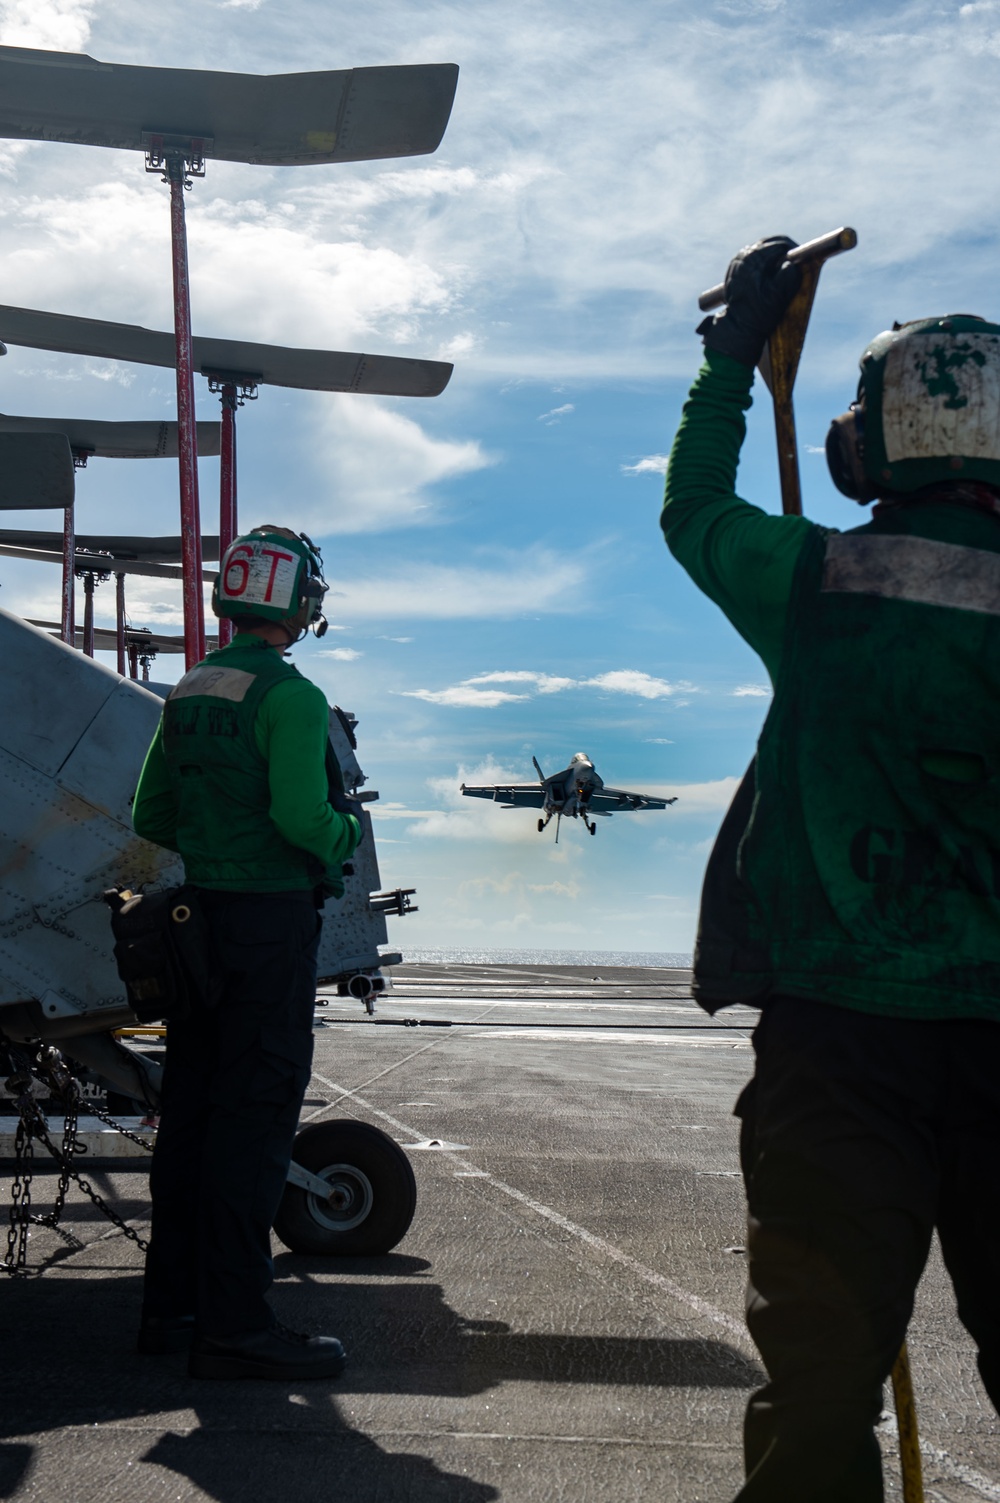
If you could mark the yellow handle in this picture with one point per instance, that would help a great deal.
(906, 1419)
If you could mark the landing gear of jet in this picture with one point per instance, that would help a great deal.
(591, 827)
(372, 1193)
(541, 825)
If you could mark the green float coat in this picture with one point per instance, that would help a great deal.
(860, 862)
(235, 779)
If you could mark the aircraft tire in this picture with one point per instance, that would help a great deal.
(378, 1193)
(541, 826)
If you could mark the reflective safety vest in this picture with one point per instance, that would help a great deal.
(220, 780)
(860, 861)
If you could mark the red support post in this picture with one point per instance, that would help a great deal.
(68, 631)
(227, 487)
(120, 621)
(187, 442)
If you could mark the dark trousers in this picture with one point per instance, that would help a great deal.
(861, 1134)
(236, 1073)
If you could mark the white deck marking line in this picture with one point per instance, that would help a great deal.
(585, 1004)
(702, 1307)
(345, 1093)
(597, 1035)
(968, 1476)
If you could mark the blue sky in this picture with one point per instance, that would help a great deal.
(500, 585)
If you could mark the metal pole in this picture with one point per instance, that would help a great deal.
(227, 487)
(133, 660)
(88, 613)
(68, 632)
(120, 620)
(191, 562)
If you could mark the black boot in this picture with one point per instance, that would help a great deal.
(278, 1354)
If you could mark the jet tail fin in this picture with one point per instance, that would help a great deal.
(541, 774)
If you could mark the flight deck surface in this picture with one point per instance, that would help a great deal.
(562, 1321)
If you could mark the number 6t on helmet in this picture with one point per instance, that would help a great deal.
(272, 575)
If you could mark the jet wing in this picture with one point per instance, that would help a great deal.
(510, 795)
(278, 119)
(620, 801)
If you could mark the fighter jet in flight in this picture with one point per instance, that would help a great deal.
(576, 792)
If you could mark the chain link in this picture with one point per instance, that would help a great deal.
(48, 1062)
(126, 1132)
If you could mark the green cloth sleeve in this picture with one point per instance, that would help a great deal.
(291, 730)
(154, 809)
(743, 558)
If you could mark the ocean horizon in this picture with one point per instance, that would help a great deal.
(653, 959)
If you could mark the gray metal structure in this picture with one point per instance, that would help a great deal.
(288, 119)
(258, 364)
(70, 759)
(573, 793)
(105, 640)
(36, 471)
(163, 550)
(104, 440)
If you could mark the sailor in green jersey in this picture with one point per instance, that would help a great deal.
(238, 781)
(854, 889)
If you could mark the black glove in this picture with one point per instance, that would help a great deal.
(759, 287)
(345, 805)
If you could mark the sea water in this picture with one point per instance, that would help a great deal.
(666, 959)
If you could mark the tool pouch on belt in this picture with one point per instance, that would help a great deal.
(162, 951)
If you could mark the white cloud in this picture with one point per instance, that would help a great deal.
(463, 696)
(658, 740)
(618, 681)
(570, 890)
(376, 468)
(701, 798)
(458, 346)
(342, 654)
(550, 419)
(544, 683)
(541, 232)
(752, 691)
(472, 819)
(632, 681)
(444, 592)
(62, 25)
(652, 464)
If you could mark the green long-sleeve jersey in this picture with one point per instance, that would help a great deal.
(290, 734)
(859, 863)
(741, 557)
